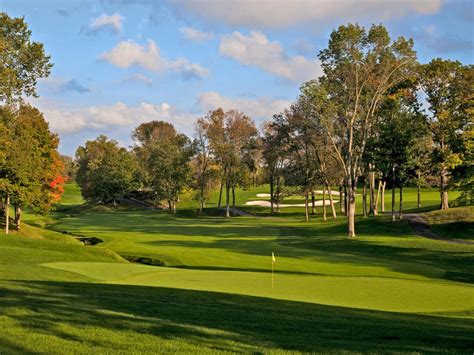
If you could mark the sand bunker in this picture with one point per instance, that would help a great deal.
(283, 205)
(317, 192)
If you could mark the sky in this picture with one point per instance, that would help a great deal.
(119, 63)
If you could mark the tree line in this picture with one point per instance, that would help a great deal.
(375, 118)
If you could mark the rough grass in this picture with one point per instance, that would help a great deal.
(455, 223)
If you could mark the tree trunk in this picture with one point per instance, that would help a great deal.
(341, 200)
(220, 195)
(17, 217)
(444, 190)
(400, 211)
(227, 198)
(393, 193)
(2, 207)
(306, 208)
(313, 203)
(233, 201)
(372, 191)
(170, 206)
(364, 197)
(418, 192)
(324, 204)
(174, 206)
(346, 201)
(376, 202)
(382, 203)
(201, 202)
(272, 194)
(351, 210)
(331, 201)
(7, 213)
(278, 193)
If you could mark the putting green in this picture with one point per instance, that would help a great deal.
(387, 294)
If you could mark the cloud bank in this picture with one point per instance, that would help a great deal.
(284, 13)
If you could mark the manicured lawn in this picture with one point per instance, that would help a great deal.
(387, 291)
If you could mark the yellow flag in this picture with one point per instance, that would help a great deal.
(273, 257)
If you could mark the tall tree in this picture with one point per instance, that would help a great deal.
(359, 67)
(401, 129)
(232, 138)
(273, 154)
(202, 161)
(448, 87)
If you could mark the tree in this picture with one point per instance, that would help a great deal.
(232, 138)
(359, 67)
(165, 155)
(204, 167)
(106, 172)
(274, 154)
(22, 61)
(448, 87)
(30, 171)
(400, 134)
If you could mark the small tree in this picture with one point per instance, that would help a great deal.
(106, 171)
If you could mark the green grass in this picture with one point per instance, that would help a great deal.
(387, 291)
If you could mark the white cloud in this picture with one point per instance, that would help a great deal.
(193, 34)
(284, 13)
(120, 117)
(129, 53)
(113, 22)
(256, 50)
(259, 109)
(108, 118)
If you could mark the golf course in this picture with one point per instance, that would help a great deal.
(240, 176)
(387, 290)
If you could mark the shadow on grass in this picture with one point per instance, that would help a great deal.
(120, 314)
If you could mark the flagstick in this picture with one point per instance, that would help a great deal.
(272, 272)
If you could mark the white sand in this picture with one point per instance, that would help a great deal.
(283, 205)
(317, 192)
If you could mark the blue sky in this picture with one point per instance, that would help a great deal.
(118, 63)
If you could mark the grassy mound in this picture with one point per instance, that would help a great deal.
(454, 223)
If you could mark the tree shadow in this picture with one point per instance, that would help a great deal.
(119, 315)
